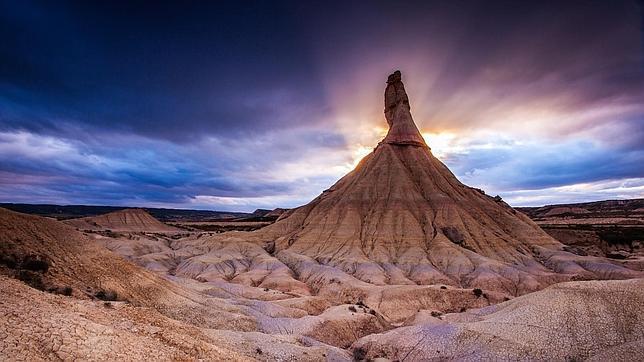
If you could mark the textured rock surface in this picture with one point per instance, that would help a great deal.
(80, 263)
(568, 321)
(402, 129)
(36, 325)
(169, 319)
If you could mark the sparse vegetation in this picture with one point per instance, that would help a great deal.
(436, 314)
(107, 295)
(359, 354)
(34, 263)
(259, 351)
(352, 309)
(32, 279)
(477, 292)
(10, 261)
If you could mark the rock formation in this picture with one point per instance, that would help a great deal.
(122, 220)
(402, 218)
(402, 129)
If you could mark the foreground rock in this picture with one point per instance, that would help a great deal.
(569, 321)
(54, 327)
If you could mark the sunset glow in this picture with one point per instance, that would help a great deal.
(442, 143)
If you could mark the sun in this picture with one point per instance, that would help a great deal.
(359, 153)
(441, 143)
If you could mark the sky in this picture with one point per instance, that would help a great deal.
(244, 105)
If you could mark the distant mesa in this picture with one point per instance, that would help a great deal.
(268, 213)
(259, 213)
(122, 220)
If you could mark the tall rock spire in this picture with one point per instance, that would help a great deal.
(401, 217)
(402, 129)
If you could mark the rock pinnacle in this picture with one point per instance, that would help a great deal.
(402, 129)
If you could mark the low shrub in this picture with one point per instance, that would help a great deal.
(32, 279)
(477, 292)
(108, 295)
(353, 309)
(359, 354)
(33, 263)
(9, 261)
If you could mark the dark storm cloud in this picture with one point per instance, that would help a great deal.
(203, 103)
(163, 71)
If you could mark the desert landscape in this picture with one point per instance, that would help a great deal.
(398, 260)
(417, 180)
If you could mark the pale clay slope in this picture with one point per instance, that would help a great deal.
(596, 320)
(87, 267)
(53, 327)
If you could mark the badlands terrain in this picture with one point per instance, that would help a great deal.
(396, 261)
(613, 228)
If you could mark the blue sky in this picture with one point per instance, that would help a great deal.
(234, 107)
